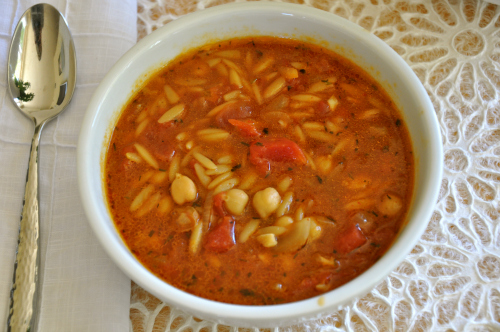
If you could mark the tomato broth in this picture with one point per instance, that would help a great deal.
(259, 171)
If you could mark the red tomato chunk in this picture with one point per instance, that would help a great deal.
(221, 238)
(351, 239)
(281, 150)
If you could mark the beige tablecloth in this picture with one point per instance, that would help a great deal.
(451, 279)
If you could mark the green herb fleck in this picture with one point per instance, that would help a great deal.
(194, 279)
(247, 292)
(245, 143)
(151, 233)
(265, 131)
(235, 167)
(320, 180)
(161, 170)
(303, 71)
(398, 122)
(259, 144)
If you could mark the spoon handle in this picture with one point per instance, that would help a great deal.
(24, 291)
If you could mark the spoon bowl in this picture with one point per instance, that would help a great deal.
(41, 80)
(42, 63)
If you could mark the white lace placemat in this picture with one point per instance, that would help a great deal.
(451, 280)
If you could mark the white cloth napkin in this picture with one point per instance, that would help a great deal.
(81, 288)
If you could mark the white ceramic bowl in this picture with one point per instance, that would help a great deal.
(252, 19)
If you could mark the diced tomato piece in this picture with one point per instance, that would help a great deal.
(166, 125)
(323, 65)
(264, 151)
(307, 287)
(297, 84)
(128, 165)
(216, 93)
(322, 108)
(322, 277)
(247, 129)
(351, 239)
(158, 142)
(239, 110)
(219, 204)
(164, 152)
(221, 238)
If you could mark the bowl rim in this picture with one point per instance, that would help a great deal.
(266, 315)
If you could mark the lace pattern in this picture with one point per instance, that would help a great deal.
(451, 279)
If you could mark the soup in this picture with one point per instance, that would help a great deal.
(259, 171)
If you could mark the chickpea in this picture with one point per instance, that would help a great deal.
(390, 205)
(236, 200)
(266, 201)
(183, 189)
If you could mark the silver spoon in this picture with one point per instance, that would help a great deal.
(41, 80)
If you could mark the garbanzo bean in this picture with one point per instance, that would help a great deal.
(266, 201)
(235, 201)
(183, 189)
